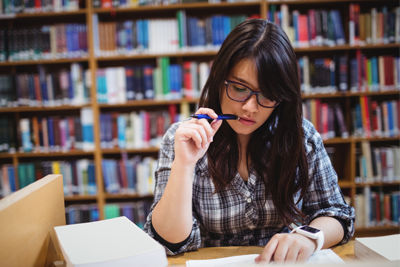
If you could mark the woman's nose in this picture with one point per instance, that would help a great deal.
(251, 104)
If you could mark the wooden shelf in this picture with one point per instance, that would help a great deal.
(146, 56)
(378, 184)
(395, 92)
(295, 2)
(50, 154)
(80, 197)
(213, 53)
(337, 140)
(50, 14)
(139, 103)
(345, 184)
(48, 61)
(173, 7)
(377, 139)
(42, 108)
(365, 229)
(125, 196)
(326, 95)
(142, 150)
(344, 47)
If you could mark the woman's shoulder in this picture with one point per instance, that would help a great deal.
(312, 139)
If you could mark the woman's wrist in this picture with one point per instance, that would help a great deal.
(182, 166)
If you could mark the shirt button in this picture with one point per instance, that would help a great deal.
(249, 200)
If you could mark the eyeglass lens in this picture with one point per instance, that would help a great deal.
(240, 93)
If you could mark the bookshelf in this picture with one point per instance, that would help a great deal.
(345, 165)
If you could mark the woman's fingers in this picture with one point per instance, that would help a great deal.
(268, 251)
(208, 112)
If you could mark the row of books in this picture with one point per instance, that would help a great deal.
(375, 119)
(316, 28)
(376, 208)
(8, 132)
(50, 134)
(7, 180)
(156, 36)
(377, 164)
(55, 88)
(374, 74)
(81, 213)
(129, 176)
(19, 6)
(328, 119)
(135, 211)
(323, 75)
(136, 130)
(210, 32)
(136, 3)
(375, 27)
(46, 42)
(78, 176)
(116, 85)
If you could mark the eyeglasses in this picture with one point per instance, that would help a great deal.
(241, 93)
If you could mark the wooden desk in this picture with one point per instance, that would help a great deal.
(346, 252)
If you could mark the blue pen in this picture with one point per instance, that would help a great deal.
(220, 117)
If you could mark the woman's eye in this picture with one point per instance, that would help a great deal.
(240, 89)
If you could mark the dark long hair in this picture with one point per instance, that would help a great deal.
(280, 160)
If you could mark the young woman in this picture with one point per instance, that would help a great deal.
(244, 182)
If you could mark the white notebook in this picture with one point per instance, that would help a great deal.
(113, 242)
(378, 248)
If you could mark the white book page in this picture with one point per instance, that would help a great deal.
(325, 256)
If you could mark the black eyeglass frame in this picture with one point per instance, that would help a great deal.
(227, 82)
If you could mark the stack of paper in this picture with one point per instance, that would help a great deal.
(378, 248)
(113, 242)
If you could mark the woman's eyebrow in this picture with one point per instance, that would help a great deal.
(244, 81)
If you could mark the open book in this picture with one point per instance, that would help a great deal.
(113, 242)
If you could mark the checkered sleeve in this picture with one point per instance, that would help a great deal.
(324, 196)
(165, 159)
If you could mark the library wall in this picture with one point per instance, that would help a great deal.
(88, 88)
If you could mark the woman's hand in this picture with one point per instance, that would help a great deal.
(287, 248)
(193, 137)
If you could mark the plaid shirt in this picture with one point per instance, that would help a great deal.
(240, 215)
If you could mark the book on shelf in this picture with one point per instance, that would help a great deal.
(46, 89)
(328, 119)
(136, 130)
(129, 176)
(15, 7)
(135, 211)
(373, 119)
(377, 164)
(44, 43)
(376, 208)
(319, 27)
(54, 133)
(160, 36)
(323, 75)
(382, 248)
(379, 26)
(81, 213)
(117, 85)
(375, 74)
(78, 175)
(111, 242)
(7, 180)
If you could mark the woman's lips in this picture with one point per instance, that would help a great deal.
(246, 121)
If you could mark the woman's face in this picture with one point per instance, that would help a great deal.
(251, 114)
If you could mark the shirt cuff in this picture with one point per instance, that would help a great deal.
(174, 247)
